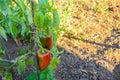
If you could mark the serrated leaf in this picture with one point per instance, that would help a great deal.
(21, 67)
(3, 33)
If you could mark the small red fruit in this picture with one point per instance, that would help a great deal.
(46, 42)
(43, 59)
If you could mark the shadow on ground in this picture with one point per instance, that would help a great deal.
(74, 68)
(114, 45)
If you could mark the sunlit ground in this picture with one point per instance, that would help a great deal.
(92, 30)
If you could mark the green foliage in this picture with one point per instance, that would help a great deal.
(39, 20)
(13, 30)
(31, 76)
(54, 62)
(21, 63)
(46, 18)
(56, 20)
(29, 62)
(21, 67)
(3, 33)
(2, 51)
(22, 51)
(4, 4)
(16, 21)
(8, 76)
(46, 74)
(43, 4)
(15, 18)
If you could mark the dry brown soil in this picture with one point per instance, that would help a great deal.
(91, 44)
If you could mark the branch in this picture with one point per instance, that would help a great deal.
(9, 61)
(13, 61)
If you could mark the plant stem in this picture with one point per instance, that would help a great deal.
(35, 46)
(9, 61)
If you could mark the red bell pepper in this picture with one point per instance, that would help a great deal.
(46, 42)
(43, 60)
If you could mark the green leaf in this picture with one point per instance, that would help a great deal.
(28, 1)
(42, 76)
(22, 51)
(3, 7)
(31, 76)
(8, 76)
(1, 15)
(1, 59)
(29, 16)
(48, 20)
(13, 29)
(30, 62)
(39, 20)
(2, 51)
(21, 4)
(23, 28)
(3, 33)
(44, 73)
(22, 58)
(54, 62)
(56, 19)
(21, 67)
(43, 4)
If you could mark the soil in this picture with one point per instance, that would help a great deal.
(92, 53)
(91, 42)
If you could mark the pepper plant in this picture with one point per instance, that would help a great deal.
(16, 22)
(15, 18)
(46, 17)
(47, 22)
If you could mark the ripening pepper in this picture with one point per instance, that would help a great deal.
(43, 60)
(46, 42)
